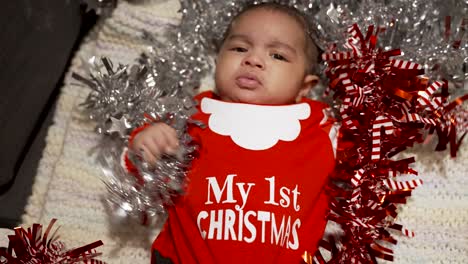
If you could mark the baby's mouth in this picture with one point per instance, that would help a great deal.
(248, 81)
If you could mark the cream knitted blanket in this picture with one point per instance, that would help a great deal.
(67, 184)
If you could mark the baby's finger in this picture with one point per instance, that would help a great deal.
(161, 140)
(152, 149)
(137, 143)
(172, 142)
(158, 143)
(147, 155)
(171, 131)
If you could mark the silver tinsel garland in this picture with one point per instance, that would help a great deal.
(161, 86)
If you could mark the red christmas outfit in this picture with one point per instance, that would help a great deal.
(256, 190)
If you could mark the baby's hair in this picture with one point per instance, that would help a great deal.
(311, 50)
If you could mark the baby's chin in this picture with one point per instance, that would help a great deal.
(252, 97)
(241, 98)
(258, 100)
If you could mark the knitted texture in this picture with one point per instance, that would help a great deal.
(437, 211)
(68, 186)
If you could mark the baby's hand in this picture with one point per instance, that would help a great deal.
(154, 141)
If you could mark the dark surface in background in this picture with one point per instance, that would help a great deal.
(37, 40)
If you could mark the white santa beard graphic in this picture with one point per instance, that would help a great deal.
(255, 127)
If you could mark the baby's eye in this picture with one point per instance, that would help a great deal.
(277, 56)
(239, 49)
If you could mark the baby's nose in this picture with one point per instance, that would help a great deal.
(254, 60)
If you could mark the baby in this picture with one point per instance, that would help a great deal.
(256, 189)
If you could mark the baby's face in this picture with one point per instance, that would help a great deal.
(263, 61)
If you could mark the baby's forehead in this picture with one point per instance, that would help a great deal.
(253, 13)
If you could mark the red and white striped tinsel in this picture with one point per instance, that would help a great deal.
(386, 123)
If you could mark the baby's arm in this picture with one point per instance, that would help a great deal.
(154, 141)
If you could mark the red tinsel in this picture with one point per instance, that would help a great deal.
(31, 246)
(385, 106)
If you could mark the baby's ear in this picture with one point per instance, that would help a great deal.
(310, 81)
